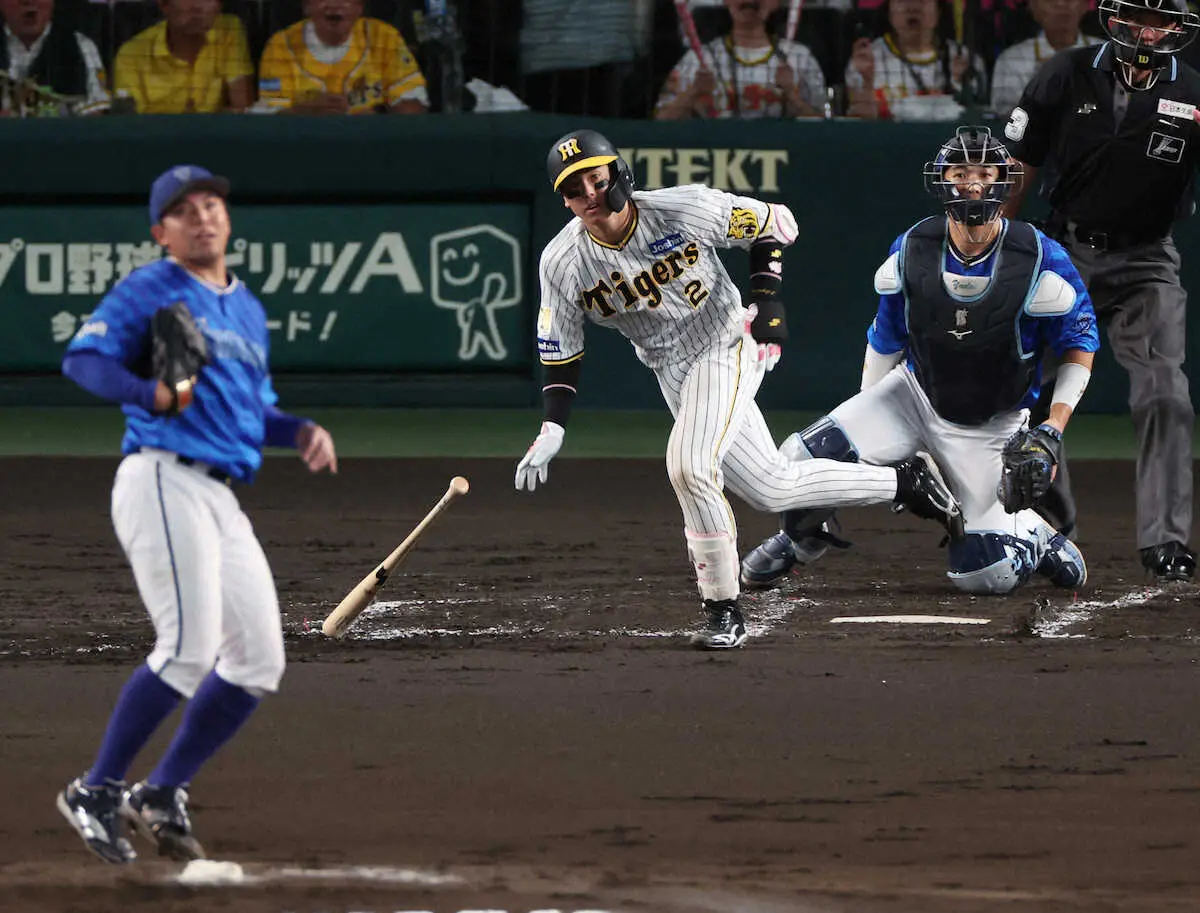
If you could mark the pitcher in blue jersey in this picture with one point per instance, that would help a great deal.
(968, 304)
(199, 568)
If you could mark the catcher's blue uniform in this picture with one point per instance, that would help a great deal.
(1074, 329)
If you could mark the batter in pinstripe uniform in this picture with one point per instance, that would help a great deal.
(645, 264)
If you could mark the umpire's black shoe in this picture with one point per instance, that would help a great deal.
(93, 812)
(726, 627)
(920, 488)
(1170, 561)
(160, 814)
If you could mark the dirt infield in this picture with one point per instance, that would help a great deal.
(519, 726)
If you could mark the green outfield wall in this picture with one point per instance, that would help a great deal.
(397, 257)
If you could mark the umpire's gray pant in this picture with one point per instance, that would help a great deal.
(1137, 293)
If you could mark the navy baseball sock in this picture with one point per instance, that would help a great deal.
(145, 701)
(216, 711)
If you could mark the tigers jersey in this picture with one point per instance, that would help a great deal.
(376, 69)
(746, 79)
(663, 288)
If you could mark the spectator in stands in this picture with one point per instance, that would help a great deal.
(913, 58)
(1015, 66)
(577, 57)
(48, 70)
(746, 73)
(195, 60)
(338, 61)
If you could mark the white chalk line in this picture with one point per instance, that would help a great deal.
(765, 612)
(771, 614)
(1085, 610)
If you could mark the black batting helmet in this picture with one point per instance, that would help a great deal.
(972, 146)
(586, 149)
(1146, 34)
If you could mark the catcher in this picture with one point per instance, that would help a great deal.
(969, 302)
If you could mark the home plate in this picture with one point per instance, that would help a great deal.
(211, 872)
(909, 620)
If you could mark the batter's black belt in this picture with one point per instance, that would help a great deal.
(211, 471)
(1102, 240)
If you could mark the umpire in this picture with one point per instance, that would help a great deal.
(1115, 128)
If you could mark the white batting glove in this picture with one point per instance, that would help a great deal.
(535, 465)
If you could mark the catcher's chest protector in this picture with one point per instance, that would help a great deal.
(964, 341)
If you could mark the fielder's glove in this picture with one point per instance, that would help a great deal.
(535, 465)
(1028, 458)
(767, 337)
(178, 352)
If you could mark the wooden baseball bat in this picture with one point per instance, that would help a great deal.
(340, 619)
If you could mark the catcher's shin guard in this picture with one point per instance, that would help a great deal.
(1063, 564)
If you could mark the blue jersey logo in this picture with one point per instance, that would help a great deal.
(670, 242)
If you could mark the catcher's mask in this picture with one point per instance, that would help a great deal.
(586, 149)
(972, 146)
(1146, 34)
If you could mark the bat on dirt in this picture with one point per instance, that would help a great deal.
(340, 619)
(793, 19)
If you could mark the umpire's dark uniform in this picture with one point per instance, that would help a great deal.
(1120, 164)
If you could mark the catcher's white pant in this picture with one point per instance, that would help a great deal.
(893, 419)
(720, 438)
(201, 573)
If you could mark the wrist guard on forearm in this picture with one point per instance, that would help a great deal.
(766, 292)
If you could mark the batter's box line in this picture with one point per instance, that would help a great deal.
(1058, 624)
(772, 612)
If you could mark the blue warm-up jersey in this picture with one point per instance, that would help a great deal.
(225, 425)
(888, 333)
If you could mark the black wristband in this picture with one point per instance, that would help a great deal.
(770, 324)
(558, 390)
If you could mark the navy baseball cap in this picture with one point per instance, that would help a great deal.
(175, 183)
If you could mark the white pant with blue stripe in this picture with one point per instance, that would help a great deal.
(201, 573)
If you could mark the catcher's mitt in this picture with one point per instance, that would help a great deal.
(1029, 458)
(178, 352)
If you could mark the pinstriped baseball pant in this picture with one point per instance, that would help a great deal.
(720, 439)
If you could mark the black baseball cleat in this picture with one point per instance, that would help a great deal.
(1171, 561)
(726, 627)
(160, 814)
(921, 489)
(1063, 563)
(94, 813)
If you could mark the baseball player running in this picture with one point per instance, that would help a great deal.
(182, 345)
(968, 303)
(645, 264)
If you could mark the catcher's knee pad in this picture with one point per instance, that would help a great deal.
(989, 563)
(824, 439)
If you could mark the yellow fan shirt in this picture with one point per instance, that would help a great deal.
(161, 83)
(376, 70)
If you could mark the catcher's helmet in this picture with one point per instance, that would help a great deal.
(972, 146)
(1146, 34)
(586, 149)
